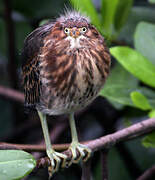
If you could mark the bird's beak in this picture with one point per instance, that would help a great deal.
(74, 32)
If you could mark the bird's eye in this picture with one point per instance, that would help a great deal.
(84, 29)
(66, 30)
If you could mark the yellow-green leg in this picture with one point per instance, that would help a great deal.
(84, 151)
(54, 156)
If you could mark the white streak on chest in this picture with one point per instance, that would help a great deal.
(75, 42)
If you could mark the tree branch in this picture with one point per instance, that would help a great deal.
(11, 94)
(32, 148)
(131, 132)
(107, 141)
(148, 174)
(125, 134)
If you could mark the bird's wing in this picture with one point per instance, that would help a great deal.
(30, 67)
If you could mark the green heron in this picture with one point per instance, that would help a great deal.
(65, 65)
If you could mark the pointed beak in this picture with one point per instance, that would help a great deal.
(74, 32)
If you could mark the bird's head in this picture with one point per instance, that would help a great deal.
(75, 29)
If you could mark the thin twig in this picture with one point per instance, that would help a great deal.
(11, 94)
(107, 141)
(32, 148)
(131, 132)
(148, 174)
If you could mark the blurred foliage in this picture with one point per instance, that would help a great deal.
(149, 141)
(146, 44)
(112, 16)
(137, 14)
(135, 63)
(152, 1)
(140, 100)
(131, 83)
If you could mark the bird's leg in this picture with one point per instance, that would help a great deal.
(55, 157)
(83, 151)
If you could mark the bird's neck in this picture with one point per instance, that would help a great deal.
(75, 43)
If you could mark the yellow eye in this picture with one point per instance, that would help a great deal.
(84, 29)
(66, 30)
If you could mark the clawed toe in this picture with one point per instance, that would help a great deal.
(56, 159)
(79, 152)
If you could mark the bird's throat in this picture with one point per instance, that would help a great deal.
(75, 42)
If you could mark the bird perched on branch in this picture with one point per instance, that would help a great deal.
(65, 65)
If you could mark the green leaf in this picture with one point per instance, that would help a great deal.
(140, 100)
(137, 14)
(118, 93)
(127, 122)
(149, 140)
(115, 104)
(152, 1)
(119, 85)
(43, 22)
(121, 76)
(15, 164)
(152, 114)
(149, 94)
(144, 40)
(122, 13)
(87, 7)
(108, 9)
(114, 14)
(135, 63)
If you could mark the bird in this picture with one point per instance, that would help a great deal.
(65, 64)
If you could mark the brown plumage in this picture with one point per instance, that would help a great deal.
(65, 65)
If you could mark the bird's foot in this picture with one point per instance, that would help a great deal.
(56, 159)
(79, 152)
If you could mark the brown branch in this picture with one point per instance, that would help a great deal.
(32, 148)
(131, 132)
(11, 94)
(107, 141)
(148, 174)
(95, 145)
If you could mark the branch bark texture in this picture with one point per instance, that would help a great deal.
(107, 141)
(11, 94)
(148, 174)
